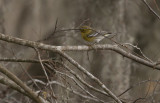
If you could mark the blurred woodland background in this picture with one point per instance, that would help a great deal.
(131, 19)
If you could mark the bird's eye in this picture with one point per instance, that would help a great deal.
(82, 30)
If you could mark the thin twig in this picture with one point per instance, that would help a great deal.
(90, 75)
(39, 57)
(80, 86)
(83, 82)
(55, 26)
(139, 51)
(69, 89)
(151, 9)
(20, 60)
(24, 70)
(156, 5)
(138, 84)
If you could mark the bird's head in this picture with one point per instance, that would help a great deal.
(85, 29)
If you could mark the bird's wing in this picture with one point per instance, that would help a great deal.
(93, 34)
(102, 33)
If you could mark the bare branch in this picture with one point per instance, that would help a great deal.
(39, 57)
(32, 94)
(8, 82)
(149, 7)
(83, 82)
(90, 75)
(77, 48)
(70, 90)
(80, 86)
(135, 46)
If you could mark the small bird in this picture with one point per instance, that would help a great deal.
(92, 36)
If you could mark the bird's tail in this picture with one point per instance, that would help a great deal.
(110, 35)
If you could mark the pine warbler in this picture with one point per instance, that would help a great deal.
(92, 36)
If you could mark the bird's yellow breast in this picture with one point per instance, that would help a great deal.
(85, 32)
